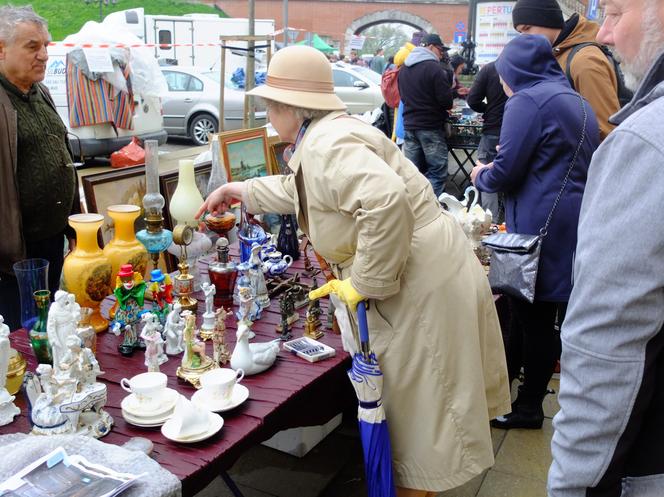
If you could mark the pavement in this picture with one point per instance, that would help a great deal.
(334, 468)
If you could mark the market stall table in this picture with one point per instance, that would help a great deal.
(292, 393)
(462, 146)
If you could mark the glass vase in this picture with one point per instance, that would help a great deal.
(38, 333)
(124, 248)
(87, 271)
(218, 172)
(187, 198)
(32, 275)
(287, 242)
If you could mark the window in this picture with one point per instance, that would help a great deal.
(177, 81)
(131, 17)
(342, 78)
(165, 38)
(195, 84)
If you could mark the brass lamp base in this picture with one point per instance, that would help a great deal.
(193, 376)
(188, 303)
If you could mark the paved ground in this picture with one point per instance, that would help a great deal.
(334, 467)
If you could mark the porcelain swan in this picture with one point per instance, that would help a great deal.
(255, 357)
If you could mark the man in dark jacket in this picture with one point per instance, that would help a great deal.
(426, 93)
(487, 97)
(38, 186)
(592, 73)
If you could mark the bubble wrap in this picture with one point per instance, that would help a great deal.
(25, 449)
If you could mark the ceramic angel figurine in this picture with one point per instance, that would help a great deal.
(248, 309)
(63, 317)
(173, 331)
(7, 408)
(221, 354)
(152, 336)
(130, 293)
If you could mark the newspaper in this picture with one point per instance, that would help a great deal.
(58, 474)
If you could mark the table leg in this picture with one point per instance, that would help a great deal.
(231, 484)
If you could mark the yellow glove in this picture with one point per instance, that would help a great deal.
(342, 289)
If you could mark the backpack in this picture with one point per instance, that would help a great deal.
(390, 88)
(624, 94)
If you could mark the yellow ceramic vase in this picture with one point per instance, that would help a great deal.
(87, 271)
(124, 248)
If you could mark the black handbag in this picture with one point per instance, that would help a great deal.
(515, 257)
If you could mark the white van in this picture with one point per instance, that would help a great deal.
(101, 140)
(193, 39)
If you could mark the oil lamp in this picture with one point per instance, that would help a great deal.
(183, 283)
(155, 238)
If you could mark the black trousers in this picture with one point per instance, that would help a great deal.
(534, 343)
(50, 249)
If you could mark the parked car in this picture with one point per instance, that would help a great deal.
(358, 87)
(191, 106)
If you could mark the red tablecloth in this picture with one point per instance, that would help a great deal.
(292, 393)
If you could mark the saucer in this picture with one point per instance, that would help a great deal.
(214, 425)
(240, 394)
(147, 422)
(132, 407)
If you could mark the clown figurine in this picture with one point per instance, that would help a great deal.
(161, 288)
(130, 293)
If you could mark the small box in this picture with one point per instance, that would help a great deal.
(309, 349)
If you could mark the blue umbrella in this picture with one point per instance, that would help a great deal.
(367, 380)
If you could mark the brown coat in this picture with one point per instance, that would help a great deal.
(432, 320)
(593, 75)
(12, 244)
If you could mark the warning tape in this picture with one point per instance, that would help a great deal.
(134, 45)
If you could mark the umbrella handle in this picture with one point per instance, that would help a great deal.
(362, 323)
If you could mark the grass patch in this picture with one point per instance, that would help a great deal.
(66, 17)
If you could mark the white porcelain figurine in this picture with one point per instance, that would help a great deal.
(7, 408)
(63, 317)
(173, 331)
(255, 357)
(207, 326)
(152, 336)
(70, 400)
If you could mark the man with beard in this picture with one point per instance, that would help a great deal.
(609, 434)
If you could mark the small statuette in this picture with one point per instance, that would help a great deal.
(252, 358)
(174, 330)
(312, 324)
(151, 335)
(221, 354)
(7, 408)
(161, 288)
(194, 360)
(71, 400)
(130, 294)
(288, 313)
(207, 328)
(63, 317)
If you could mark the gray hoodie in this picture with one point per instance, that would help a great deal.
(613, 332)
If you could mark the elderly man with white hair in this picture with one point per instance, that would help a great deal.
(609, 434)
(38, 186)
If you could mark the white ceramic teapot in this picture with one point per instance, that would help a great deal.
(277, 264)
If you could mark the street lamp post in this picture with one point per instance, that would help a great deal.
(101, 6)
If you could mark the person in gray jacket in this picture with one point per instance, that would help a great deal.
(609, 433)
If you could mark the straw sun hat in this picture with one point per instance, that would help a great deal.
(300, 76)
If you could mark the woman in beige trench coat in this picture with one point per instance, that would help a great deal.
(370, 213)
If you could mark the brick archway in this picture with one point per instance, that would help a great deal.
(384, 16)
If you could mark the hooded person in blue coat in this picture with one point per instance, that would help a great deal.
(542, 127)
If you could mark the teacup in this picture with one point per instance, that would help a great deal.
(149, 388)
(218, 384)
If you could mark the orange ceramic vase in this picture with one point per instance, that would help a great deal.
(87, 271)
(124, 248)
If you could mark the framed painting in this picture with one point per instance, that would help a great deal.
(278, 164)
(168, 182)
(245, 153)
(119, 186)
